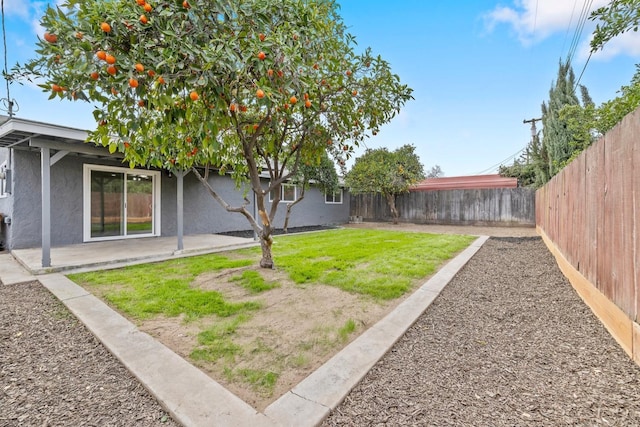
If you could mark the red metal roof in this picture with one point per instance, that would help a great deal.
(466, 182)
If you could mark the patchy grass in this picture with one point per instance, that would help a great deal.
(252, 281)
(164, 288)
(346, 330)
(381, 264)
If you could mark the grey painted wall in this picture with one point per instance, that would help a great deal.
(202, 214)
(6, 206)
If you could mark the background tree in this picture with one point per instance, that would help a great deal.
(558, 140)
(324, 177)
(387, 172)
(523, 169)
(242, 86)
(435, 172)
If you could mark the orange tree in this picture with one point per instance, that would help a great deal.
(245, 87)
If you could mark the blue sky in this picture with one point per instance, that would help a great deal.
(478, 69)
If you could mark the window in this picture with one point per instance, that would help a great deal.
(333, 198)
(287, 193)
(3, 180)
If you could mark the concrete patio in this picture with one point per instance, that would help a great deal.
(117, 253)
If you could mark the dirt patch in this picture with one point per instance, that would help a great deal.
(297, 329)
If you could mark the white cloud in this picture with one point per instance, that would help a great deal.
(535, 20)
(625, 44)
(18, 8)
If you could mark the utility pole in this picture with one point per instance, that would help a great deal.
(533, 126)
(534, 132)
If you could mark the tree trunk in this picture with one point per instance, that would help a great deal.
(265, 244)
(391, 200)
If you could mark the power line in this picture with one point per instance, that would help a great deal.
(566, 34)
(582, 19)
(489, 169)
(9, 102)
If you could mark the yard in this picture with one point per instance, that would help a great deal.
(259, 332)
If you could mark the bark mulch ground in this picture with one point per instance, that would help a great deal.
(507, 343)
(54, 372)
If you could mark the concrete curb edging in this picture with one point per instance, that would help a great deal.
(194, 399)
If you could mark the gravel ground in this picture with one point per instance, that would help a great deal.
(507, 343)
(54, 372)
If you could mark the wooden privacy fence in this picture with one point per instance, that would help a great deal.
(494, 206)
(588, 215)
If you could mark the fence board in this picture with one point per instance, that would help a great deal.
(591, 209)
(514, 206)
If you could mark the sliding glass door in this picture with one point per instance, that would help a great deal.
(120, 203)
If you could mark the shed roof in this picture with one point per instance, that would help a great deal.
(466, 182)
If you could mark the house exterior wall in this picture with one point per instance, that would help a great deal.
(6, 205)
(202, 214)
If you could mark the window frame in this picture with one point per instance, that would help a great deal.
(3, 181)
(282, 193)
(333, 197)
(86, 202)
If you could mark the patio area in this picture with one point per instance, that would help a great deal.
(117, 253)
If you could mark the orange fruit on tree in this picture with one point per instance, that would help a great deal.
(139, 67)
(306, 96)
(141, 103)
(141, 2)
(354, 93)
(79, 35)
(111, 69)
(144, 19)
(110, 59)
(51, 38)
(194, 95)
(262, 56)
(280, 73)
(147, 7)
(56, 88)
(95, 75)
(105, 27)
(243, 108)
(101, 54)
(262, 37)
(293, 100)
(186, 4)
(307, 103)
(260, 93)
(151, 73)
(133, 83)
(113, 91)
(161, 80)
(126, 145)
(270, 72)
(348, 73)
(232, 107)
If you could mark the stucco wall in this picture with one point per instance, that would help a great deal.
(6, 206)
(202, 214)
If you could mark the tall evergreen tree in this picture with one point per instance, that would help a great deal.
(558, 139)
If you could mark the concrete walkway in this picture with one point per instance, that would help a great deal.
(194, 399)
